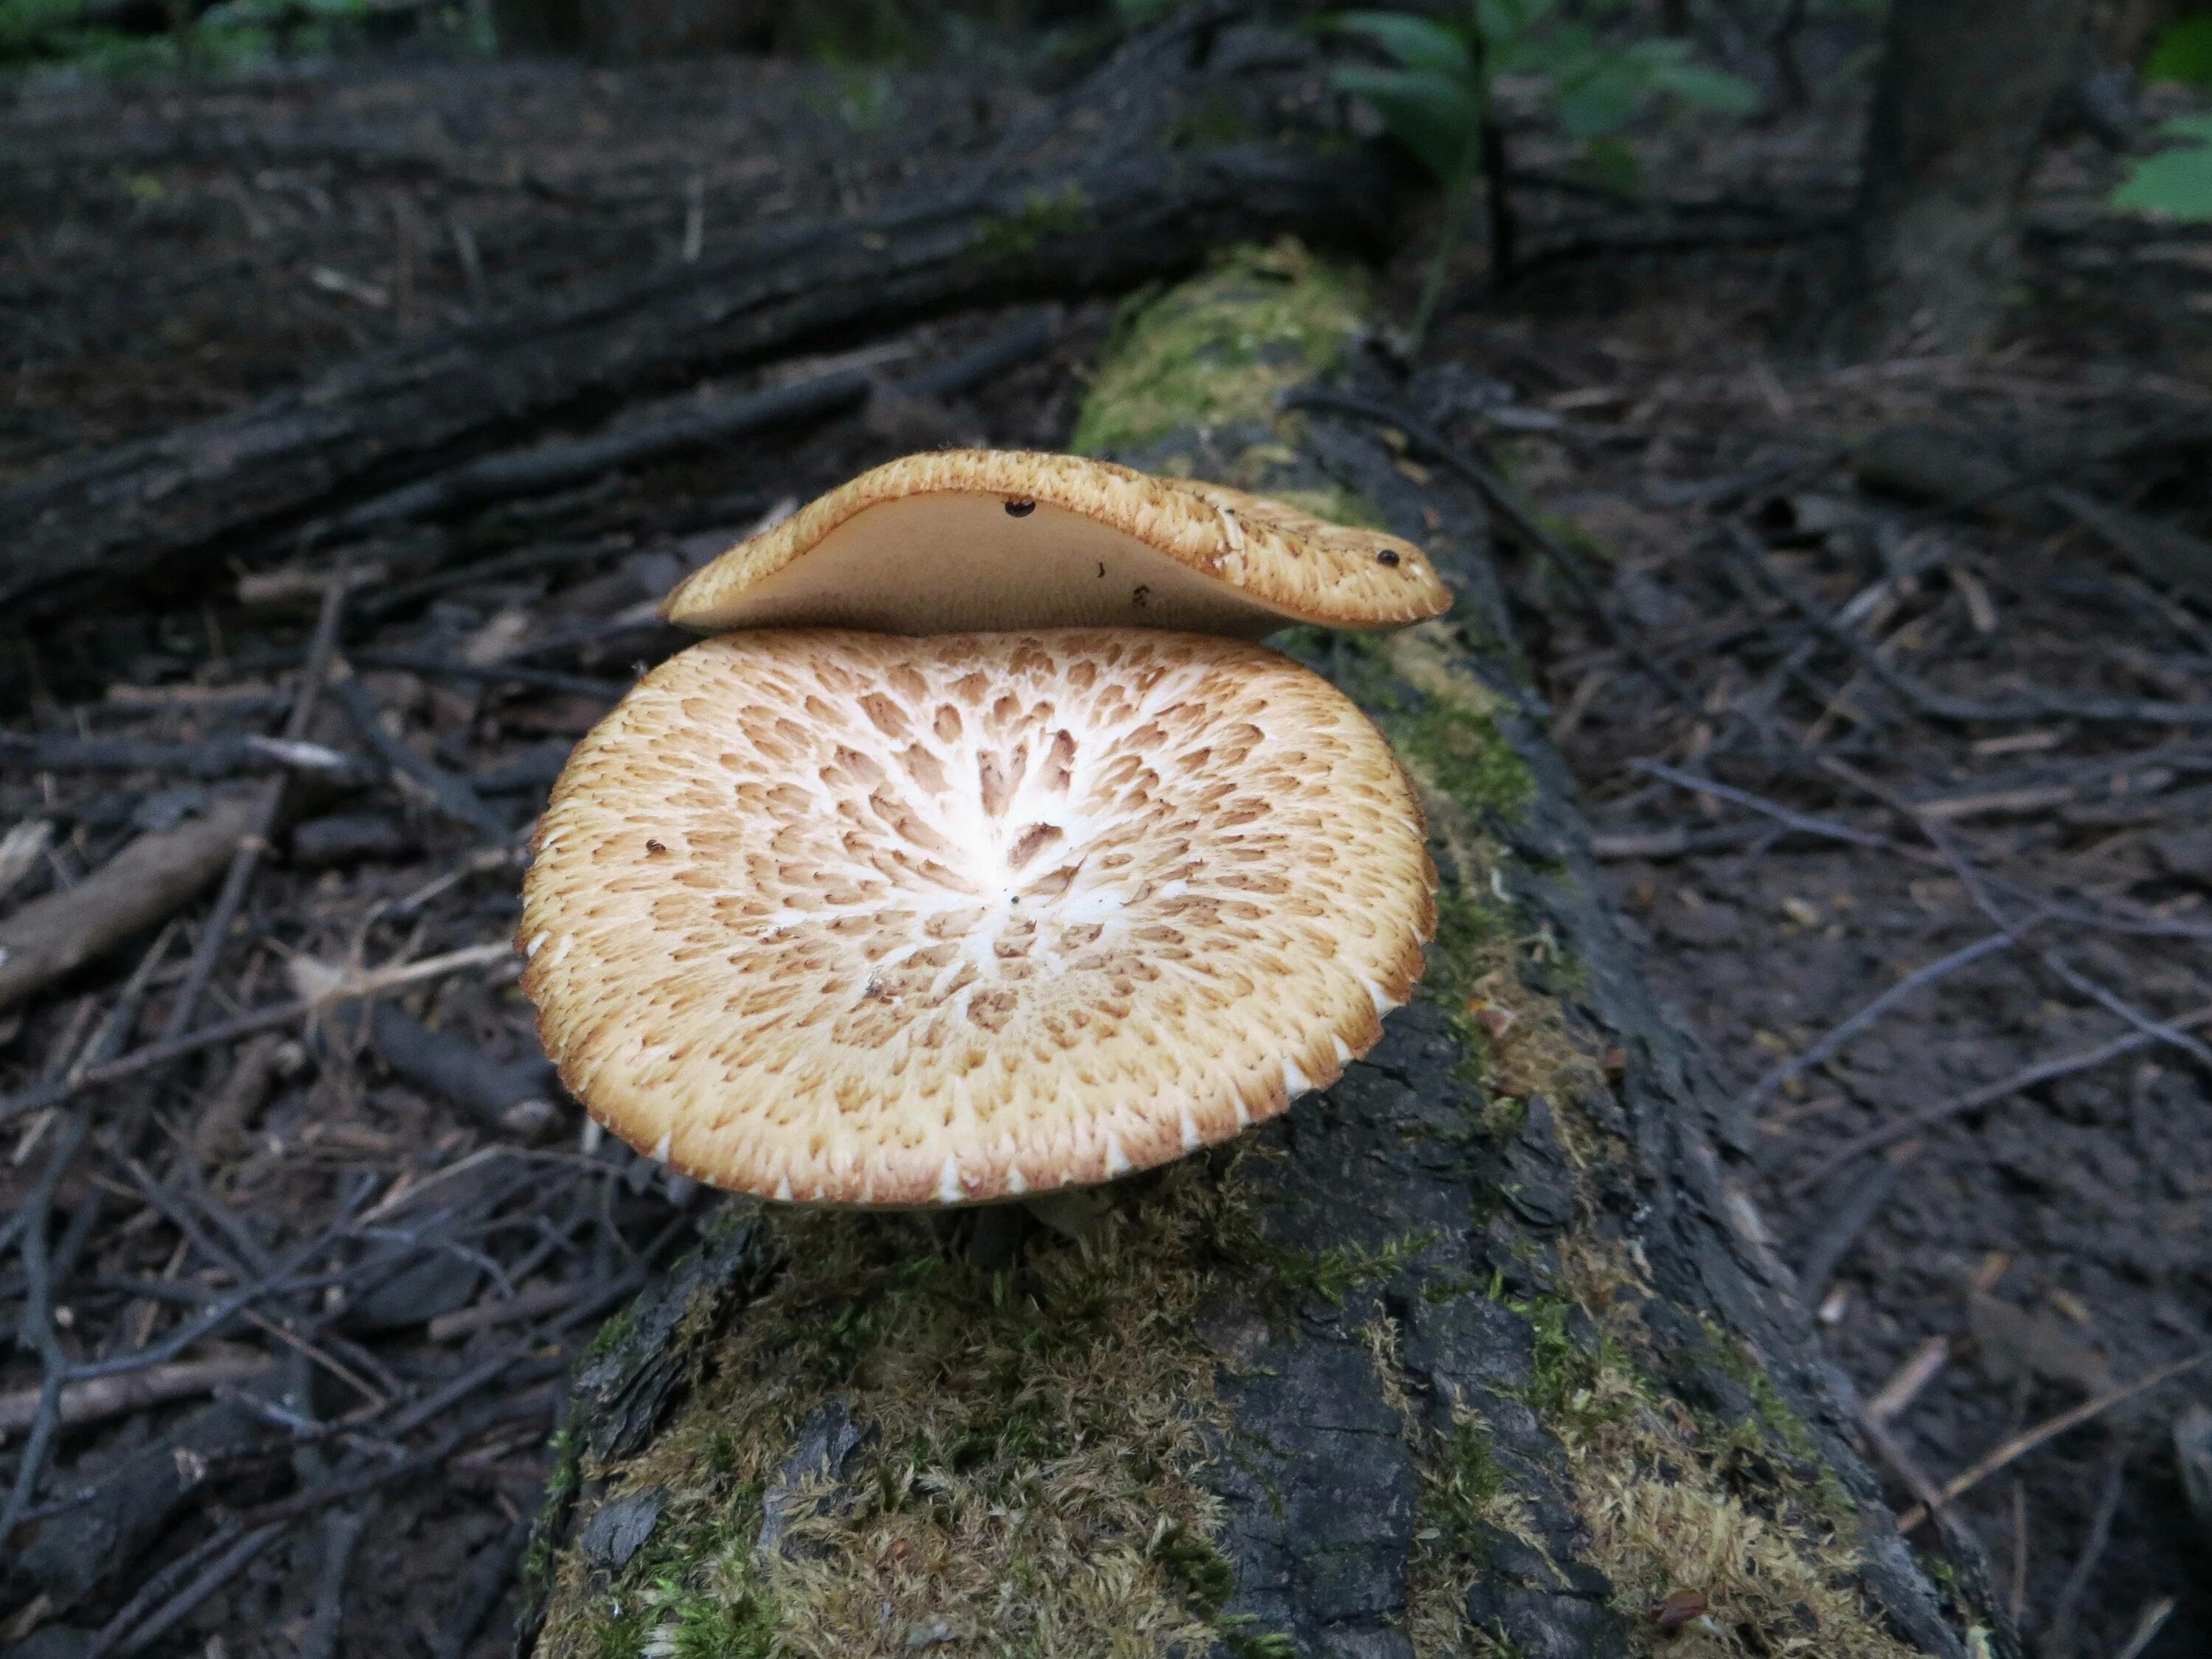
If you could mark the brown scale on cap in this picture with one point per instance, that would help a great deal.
(853, 919)
(988, 539)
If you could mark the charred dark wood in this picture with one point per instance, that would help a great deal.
(119, 1514)
(684, 425)
(1119, 210)
(136, 17)
(496, 673)
(517, 1097)
(204, 758)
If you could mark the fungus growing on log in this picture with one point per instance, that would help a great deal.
(855, 919)
(964, 540)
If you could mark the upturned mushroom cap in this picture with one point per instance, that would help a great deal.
(986, 538)
(859, 919)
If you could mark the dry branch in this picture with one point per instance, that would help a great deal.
(154, 1056)
(112, 1396)
(145, 882)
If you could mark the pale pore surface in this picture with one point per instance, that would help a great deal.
(857, 919)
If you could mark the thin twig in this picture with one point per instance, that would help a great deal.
(449, 793)
(162, 1584)
(155, 1054)
(2039, 704)
(2046, 1071)
(36, 1329)
(2059, 1629)
(1833, 1240)
(2027, 1441)
(207, 949)
(1921, 1368)
(219, 1573)
(2148, 1623)
(91, 1401)
(1828, 829)
(1917, 1481)
(342, 1531)
(1978, 887)
(1919, 979)
(488, 1576)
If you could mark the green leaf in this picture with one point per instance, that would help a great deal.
(1417, 42)
(1601, 98)
(1504, 22)
(2177, 183)
(1610, 165)
(1705, 86)
(1439, 117)
(2183, 53)
(1566, 52)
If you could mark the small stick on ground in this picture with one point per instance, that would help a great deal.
(1922, 1486)
(1837, 1040)
(2047, 1071)
(112, 1396)
(143, 885)
(2058, 1633)
(1802, 822)
(155, 1054)
(489, 1578)
(1904, 1384)
(451, 794)
(342, 1531)
(2029, 1439)
(1834, 1238)
(2039, 704)
(2148, 1625)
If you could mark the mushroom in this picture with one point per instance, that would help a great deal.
(980, 538)
(858, 919)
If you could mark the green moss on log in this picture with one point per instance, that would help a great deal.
(1032, 1440)
(1014, 236)
(1221, 349)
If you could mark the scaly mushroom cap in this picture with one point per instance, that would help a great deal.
(989, 539)
(854, 919)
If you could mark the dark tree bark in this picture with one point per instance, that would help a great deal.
(1964, 89)
(1086, 197)
(537, 26)
(635, 30)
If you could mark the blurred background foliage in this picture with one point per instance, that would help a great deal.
(1428, 69)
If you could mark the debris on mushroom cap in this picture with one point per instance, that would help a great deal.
(855, 919)
(984, 539)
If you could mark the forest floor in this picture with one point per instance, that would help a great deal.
(1893, 669)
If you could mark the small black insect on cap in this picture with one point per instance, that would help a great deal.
(1388, 555)
(1020, 509)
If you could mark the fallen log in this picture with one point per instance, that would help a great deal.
(684, 424)
(1125, 208)
(1478, 1350)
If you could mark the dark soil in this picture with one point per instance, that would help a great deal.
(168, 251)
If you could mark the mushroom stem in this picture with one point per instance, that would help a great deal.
(1072, 1212)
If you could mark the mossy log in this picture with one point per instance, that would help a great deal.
(1476, 1351)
